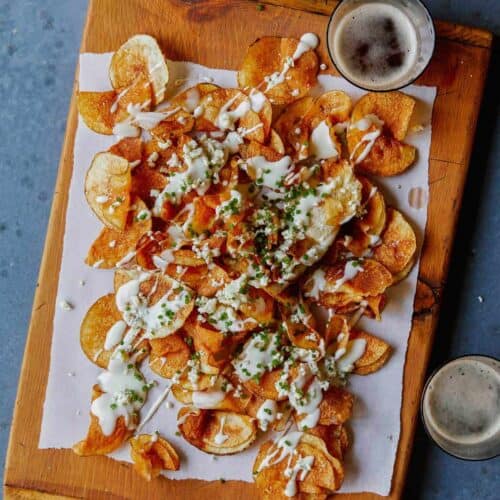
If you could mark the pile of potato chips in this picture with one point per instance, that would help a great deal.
(229, 216)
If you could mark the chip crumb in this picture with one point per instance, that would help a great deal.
(65, 305)
(323, 66)
(480, 298)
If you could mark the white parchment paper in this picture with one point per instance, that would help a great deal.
(376, 422)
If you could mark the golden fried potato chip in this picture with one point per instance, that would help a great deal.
(393, 108)
(169, 355)
(335, 438)
(101, 316)
(336, 406)
(152, 454)
(122, 276)
(276, 143)
(265, 387)
(95, 110)
(266, 66)
(114, 248)
(96, 442)
(376, 353)
(373, 219)
(364, 279)
(213, 398)
(231, 109)
(107, 189)
(293, 128)
(129, 148)
(399, 243)
(334, 105)
(324, 476)
(217, 432)
(140, 56)
(387, 157)
(189, 114)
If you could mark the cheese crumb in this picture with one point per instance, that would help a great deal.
(65, 305)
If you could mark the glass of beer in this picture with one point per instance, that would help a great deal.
(380, 44)
(460, 407)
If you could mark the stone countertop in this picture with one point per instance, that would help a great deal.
(39, 42)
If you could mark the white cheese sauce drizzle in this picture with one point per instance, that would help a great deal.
(321, 143)
(220, 438)
(266, 414)
(124, 389)
(308, 41)
(368, 140)
(114, 335)
(207, 400)
(354, 351)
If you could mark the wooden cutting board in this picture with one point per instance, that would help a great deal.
(217, 33)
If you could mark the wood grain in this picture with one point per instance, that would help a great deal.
(217, 33)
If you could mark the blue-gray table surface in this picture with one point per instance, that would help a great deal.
(39, 43)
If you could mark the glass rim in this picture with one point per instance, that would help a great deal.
(399, 87)
(421, 407)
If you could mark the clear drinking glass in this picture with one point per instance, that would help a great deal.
(460, 407)
(380, 45)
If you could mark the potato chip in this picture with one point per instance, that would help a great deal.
(98, 320)
(217, 432)
(101, 316)
(369, 279)
(336, 406)
(140, 56)
(184, 120)
(376, 353)
(96, 442)
(95, 110)
(152, 454)
(231, 109)
(393, 108)
(107, 189)
(229, 402)
(335, 438)
(266, 66)
(399, 243)
(325, 475)
(293, 128)
(334, 105)
(129, 148)
(387, 157)
(169, 355)
(122, 276)
(276, 143)
(114, 248)
(265, 386)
